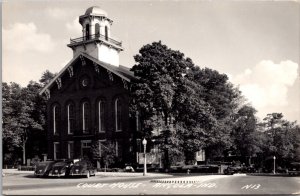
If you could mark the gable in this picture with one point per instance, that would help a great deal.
(102, 72)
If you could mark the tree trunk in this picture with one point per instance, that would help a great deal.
(167, 161)
(24, 155)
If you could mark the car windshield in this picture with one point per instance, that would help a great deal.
(43, 163)
(80, 163)
(60, 164)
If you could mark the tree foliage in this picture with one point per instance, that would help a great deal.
(281, 136)
(23, 119)
(244, 132)
(105, 152)
(194, 104)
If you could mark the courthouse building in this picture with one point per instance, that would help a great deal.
(88, 100)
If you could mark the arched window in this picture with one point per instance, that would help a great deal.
(85, 116)
(55, 119)
(118, 115)
(71, 118)
(87, 31)
(106, 33)
(97, 29)
(101, 120)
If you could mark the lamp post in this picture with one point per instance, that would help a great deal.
(274, 158)
(145, 166)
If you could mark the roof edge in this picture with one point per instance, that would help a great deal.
(102, 64)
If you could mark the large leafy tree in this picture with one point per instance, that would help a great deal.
(221, 101)
(23, 120)
(246, 140)
(16, 119)
(191, 106)
(159, 71)
(281, 138)
(47, 76)
(104, 153)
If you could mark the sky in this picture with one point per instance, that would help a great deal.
(256, 43)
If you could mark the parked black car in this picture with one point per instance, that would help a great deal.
(61, 168)
(232, 170)
(294, 168)
(83, 168)
(43, 168)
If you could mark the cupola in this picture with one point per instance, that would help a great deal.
(96, 39)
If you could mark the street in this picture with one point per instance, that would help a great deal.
(21, 184)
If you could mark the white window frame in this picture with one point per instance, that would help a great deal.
(69, 149)
(117, 153)
(100, 128)
(83, 117)
(55, 150)
(116, 116)
(100, 146)
(85, 142)
(54, 119)
(69, 123)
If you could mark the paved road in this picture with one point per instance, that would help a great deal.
(20, 184)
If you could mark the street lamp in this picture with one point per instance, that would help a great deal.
(145, 166)
(274, 158)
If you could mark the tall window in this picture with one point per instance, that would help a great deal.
(106, 33)
(101, 146)
(97, 29)
(70, 150)
(71, 118)
(101, 120)
(86, 148)
(119, 148)
(85, 116)
(118, 115)
(56, 150)
(87, 31)
(55, 119)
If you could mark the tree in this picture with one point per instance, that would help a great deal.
(281, 138)
(23, 120)
(16, 119)
(158, 71)
(218, 100)
(104, 152)
(36, 131)
(244, 133)
(195, 117)
(46, 77)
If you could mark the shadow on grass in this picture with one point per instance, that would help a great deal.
(55, 177)
(273, 175)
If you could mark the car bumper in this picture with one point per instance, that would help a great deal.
(78, 173)
(39, 175)
(57, 175)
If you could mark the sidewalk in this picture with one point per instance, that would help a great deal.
(106, 174)
(189, 179)
(15, 171)
(131, 174)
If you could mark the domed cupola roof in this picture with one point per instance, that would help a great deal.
(96, 11)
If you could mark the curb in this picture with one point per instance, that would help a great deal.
(177, 181)
(188, 180)
(239, 174)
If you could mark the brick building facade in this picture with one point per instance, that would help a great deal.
(88, 100)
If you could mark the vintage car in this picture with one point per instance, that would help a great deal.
(61, 168)
(43, 168)
(294, 168)
(83, 168)
(232, 170)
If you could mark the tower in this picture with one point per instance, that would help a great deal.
(96, 39)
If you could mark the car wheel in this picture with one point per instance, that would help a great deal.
(88, 175)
